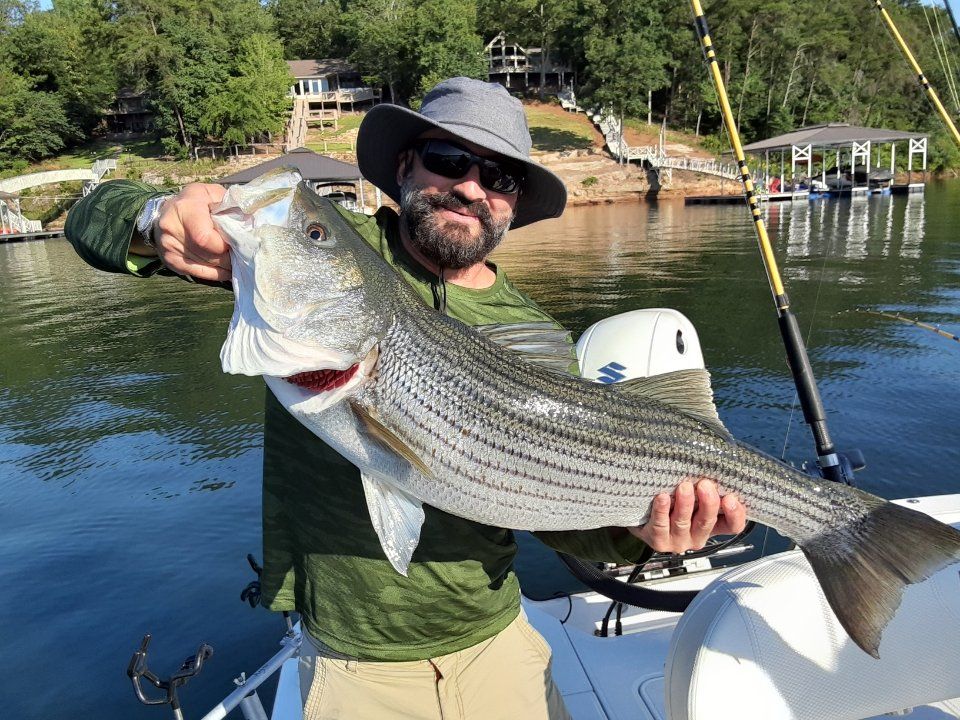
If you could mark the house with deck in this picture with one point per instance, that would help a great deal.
(328, 88)
(518, 68)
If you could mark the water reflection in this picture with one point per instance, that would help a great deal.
(913, 223)
(125, 450)
(851, 229)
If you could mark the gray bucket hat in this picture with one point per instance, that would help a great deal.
(481, 113)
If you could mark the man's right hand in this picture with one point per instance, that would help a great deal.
(185, 237)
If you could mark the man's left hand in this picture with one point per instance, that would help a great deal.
(698, 513)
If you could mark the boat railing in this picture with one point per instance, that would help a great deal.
(245, 694)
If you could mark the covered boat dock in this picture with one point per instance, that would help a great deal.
(340, 181)
(838, 159)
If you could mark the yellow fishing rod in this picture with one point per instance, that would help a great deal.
(924, 83)
(833, 465)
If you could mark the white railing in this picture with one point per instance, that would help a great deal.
(708, 167)
(102, 167)
(653, 154)
(343, 95)
(12, 221)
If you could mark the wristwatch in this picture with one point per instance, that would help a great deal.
(147, 219)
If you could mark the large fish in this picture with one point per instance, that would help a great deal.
(432, 411)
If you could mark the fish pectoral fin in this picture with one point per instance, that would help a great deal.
(397, 519)
(541, 343)
(686, 390)
(389, 439)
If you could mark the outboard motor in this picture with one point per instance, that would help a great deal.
(639, 343)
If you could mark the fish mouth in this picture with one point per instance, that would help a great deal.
(319, 381)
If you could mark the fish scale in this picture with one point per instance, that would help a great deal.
(437, 413)
(586, 437)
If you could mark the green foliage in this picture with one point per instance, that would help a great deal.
(623, 53)
(252, 101)
(212, 71)
(33, 123)
(308, 28)
(379, 32)
(943, 153)
(409, 47)
(446, 43)
(589, 181)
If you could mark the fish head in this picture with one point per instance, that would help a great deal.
(309, 302)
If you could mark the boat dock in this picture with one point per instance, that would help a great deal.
(25, 236)
(832, 160)
(801, 195)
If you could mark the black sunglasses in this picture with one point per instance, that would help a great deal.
(446, 158)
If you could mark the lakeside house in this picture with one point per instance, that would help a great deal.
(330, 87)
(128, 114)
(518, 68)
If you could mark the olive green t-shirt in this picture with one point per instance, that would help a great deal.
(321, 555)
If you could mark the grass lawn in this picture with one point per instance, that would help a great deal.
(135, 152)
(643, 134)
(343, 139)
(554, 129)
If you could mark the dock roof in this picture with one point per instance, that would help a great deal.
(312, 166)
(830, 135)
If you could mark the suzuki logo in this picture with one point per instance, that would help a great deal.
(611, 372)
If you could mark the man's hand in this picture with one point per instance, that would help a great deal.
(698, 513)
(187, 240)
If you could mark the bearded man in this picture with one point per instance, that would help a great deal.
(450, 639)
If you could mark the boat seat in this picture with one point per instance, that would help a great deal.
(761, 642)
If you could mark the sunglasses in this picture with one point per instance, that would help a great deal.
(442, 157)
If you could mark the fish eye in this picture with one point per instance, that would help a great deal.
(317, 233)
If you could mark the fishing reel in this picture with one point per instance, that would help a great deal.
(847, 463)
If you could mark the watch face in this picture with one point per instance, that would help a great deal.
(148, 218)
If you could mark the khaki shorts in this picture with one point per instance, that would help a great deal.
(506, 677)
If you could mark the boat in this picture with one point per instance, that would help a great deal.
(758, 641)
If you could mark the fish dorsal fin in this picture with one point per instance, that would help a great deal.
(542, 343)
(686, 390)
(397, 519)
(388, 438)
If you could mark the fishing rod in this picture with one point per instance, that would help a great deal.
(924, 83)
(832, 464)
(926, 326)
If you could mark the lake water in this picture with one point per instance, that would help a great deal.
(130, 465)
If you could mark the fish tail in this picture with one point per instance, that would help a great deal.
(864, 566)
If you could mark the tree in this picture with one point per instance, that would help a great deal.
(253, 101)
(379, 32)
(445, 43)
(623, 54)
(33, 124)
(180, 52)
(59, 53)
(12, 12)
(309, 29)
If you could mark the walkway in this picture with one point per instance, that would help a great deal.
(12, 219)
(653, 155)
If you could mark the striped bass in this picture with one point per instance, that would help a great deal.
(432, 411)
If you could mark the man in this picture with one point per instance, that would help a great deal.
(449, 640)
